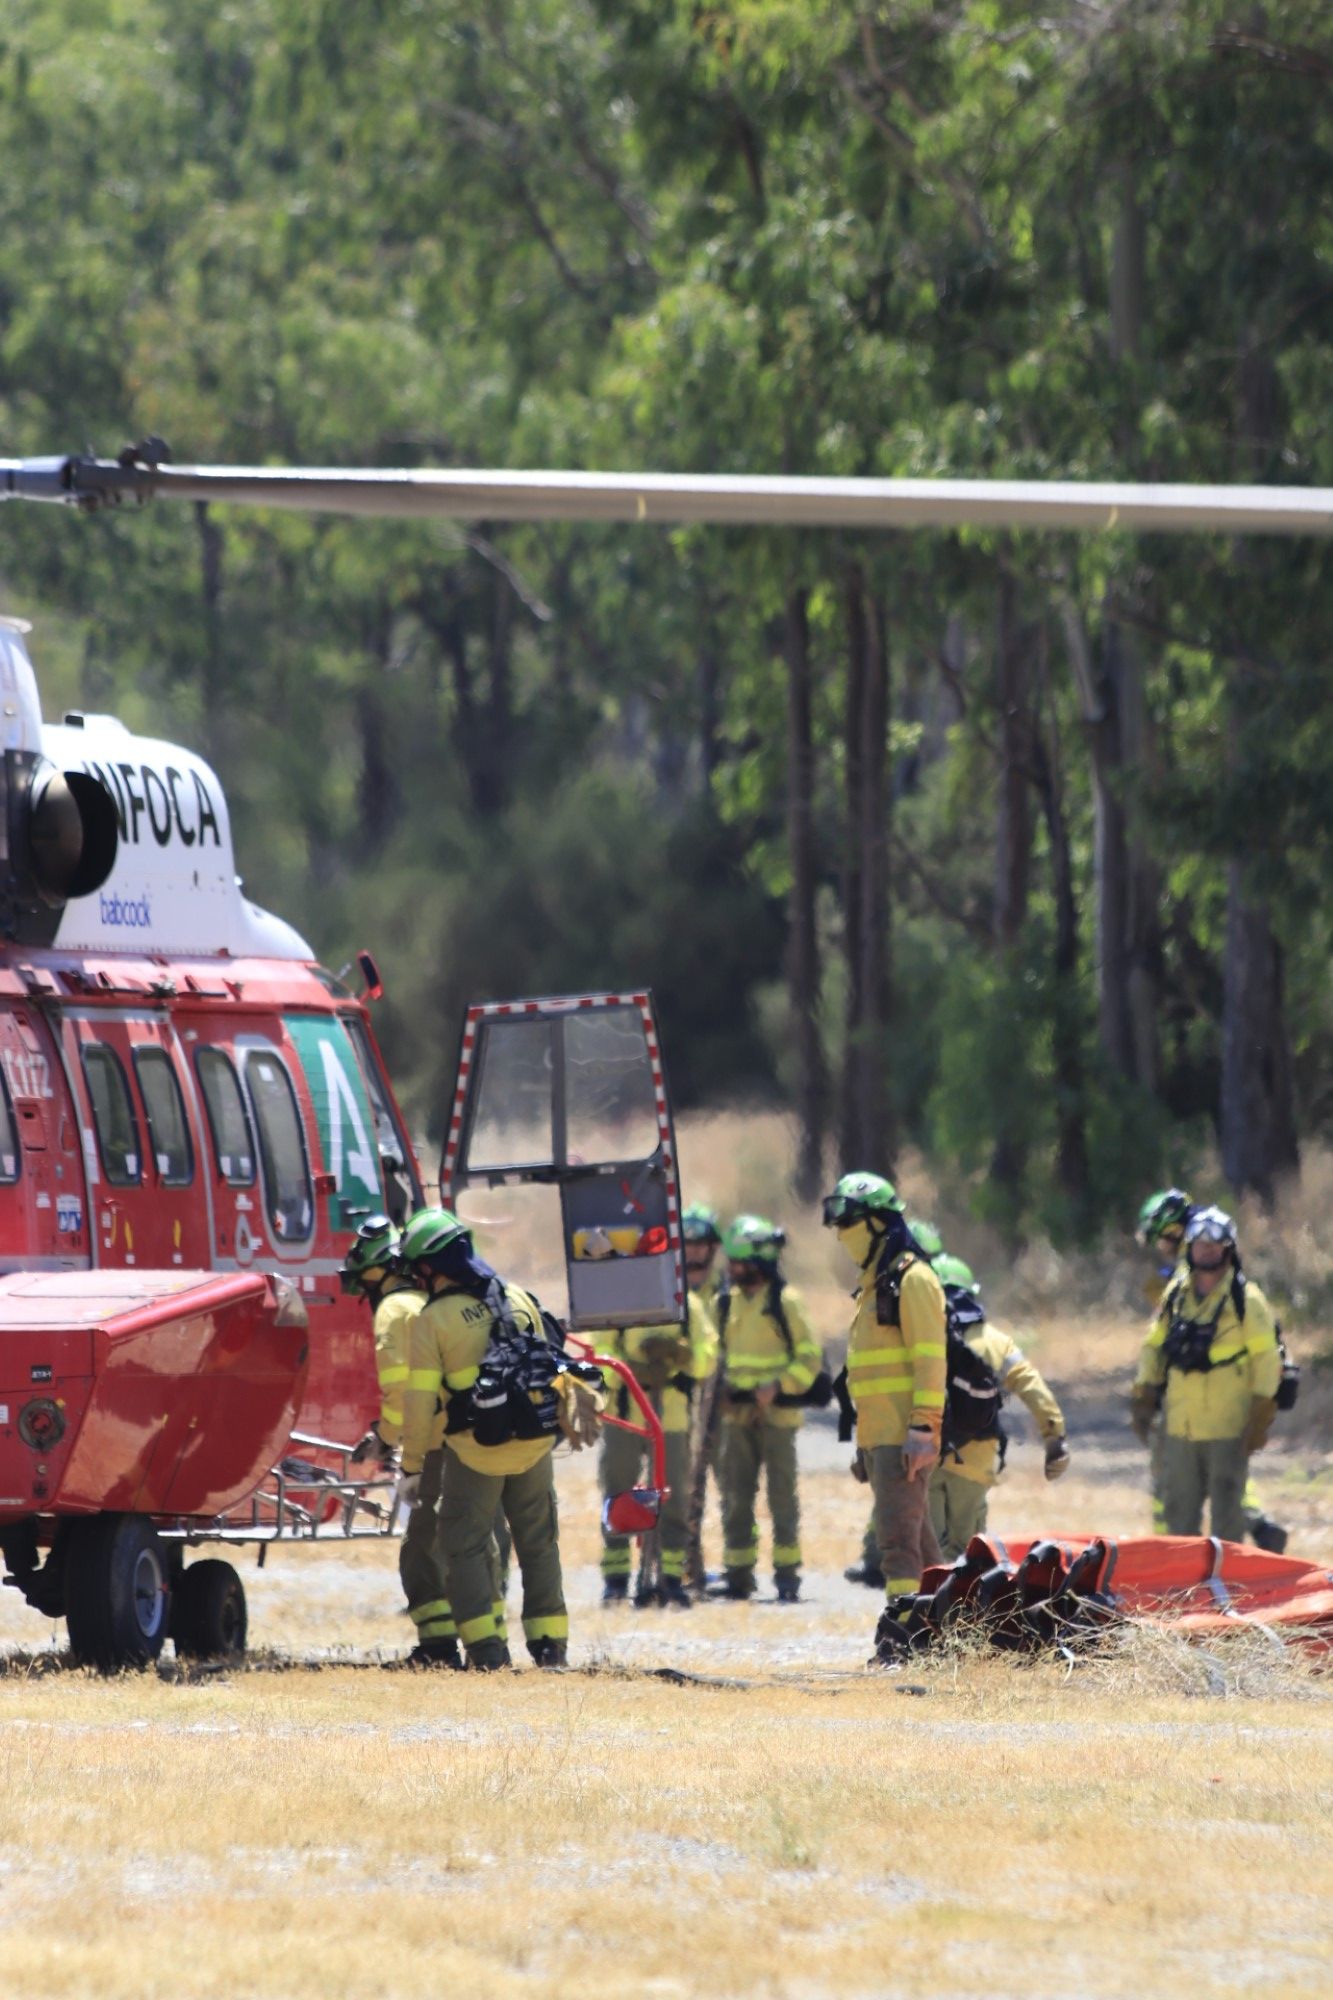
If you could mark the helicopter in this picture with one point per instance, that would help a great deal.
(195, 1115)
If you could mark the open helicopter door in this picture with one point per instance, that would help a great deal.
(571, 1092)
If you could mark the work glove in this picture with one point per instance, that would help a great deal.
(920, 1454)
(1057, 1457)
(578, 1411)
(1263, 1409)
(860, 1468)
(1142, 1409)
(408, 1488)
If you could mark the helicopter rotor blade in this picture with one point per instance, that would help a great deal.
(738, 500)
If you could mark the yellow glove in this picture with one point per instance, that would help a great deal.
(1263, 1409)
(1142, 1409)
(578, 1412)
(1057, 1457)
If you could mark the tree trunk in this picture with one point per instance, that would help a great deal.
(865, 1131)
(803, 941)
(1013, 825)
(1258, 1102)
(1071, 1144)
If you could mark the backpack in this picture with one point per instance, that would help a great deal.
(821, 1391)
(514, 1395)
(973, 1398)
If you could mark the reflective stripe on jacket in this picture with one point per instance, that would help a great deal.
(896, 1374)
(979, 1458)
(757, 1354)
(1208, 1404)
(393, 1327)
(656, 1353)
(449, 1337)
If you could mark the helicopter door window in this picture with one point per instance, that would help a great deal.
(168, 1133)
(401, 1189)
(290, 1196)
(228, 1119)
(610, 1104)
(113, 1116)
(9, 1145)
(511, 1114)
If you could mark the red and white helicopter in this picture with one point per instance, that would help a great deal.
(194, 1114)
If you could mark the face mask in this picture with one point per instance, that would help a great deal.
(858, 1242)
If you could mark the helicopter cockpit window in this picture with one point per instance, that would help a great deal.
(228, 1119)
(9, 1145)
(113, 1116)
(168, 1133)
(402, 1191)
(290, 1197)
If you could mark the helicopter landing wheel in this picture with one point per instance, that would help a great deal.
(117, 1592)
(208, 1614)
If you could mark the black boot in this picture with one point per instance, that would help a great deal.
(673, 1594)
(548, 1652)
(487, 1656)
(615, 1589)
(866, 1572)
(1266, 1533)
(788, 1582)
(740, 1582)
(435, 1653)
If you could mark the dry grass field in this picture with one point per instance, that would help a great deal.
(723, 1801)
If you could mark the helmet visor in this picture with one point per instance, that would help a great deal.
(840, 1209)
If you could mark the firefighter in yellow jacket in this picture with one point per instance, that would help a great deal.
(669, 1362)
(1213, 1346)
(961, 1482)
(372, 1271)
(769, 1358)
(466, 1302)
(895, 1372)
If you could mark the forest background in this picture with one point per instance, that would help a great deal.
(1011, 849)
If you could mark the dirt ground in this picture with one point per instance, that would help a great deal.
(720, 1801)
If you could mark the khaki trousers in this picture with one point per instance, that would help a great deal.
(421, 1560)
(468, 1500)
(749, 1448)
(1215, 1470)
(957, 1510)
(903, 1534)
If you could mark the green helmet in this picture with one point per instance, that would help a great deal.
(375, 1246)
(699, 1224)
(752, 1239)
(428, 1232)
(928, 1239)
(1169, 1208)
(857, 1197)
(953, 1271)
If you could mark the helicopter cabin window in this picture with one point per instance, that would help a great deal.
(9, 1145)
(113, 1116)
(168, 1133)
(402, 1192)
(290, 1197)
(228, 1119)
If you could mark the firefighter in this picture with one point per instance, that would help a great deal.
(961, 1482)
(372, 1271)
(930, 1243)
(449, 1339)
(895, 1373)
(705, 1271)
(1213, 1348)
(670, 1362)
(1161, 1230)
(770, 1358)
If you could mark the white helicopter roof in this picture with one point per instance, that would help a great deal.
(174, 886)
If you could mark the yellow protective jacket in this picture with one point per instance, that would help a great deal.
(979, 1458)
(896, 1374)
(754, 1353)
(448, 1339)
(393, 1328)
(1214, 1403)
(657, 1354)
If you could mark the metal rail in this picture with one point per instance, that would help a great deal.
(301, 1501)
